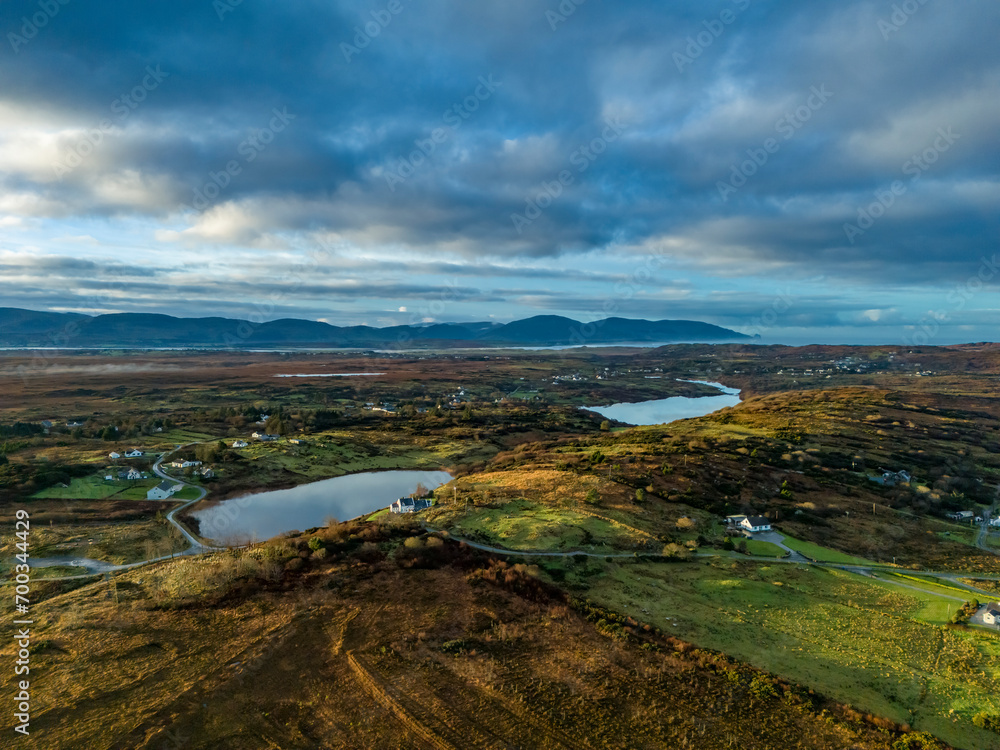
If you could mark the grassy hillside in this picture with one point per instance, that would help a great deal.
(390, 640)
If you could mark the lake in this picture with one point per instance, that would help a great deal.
(664, 410)
(332, 375)
(267, 514)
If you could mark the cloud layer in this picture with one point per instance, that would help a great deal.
(498, 159)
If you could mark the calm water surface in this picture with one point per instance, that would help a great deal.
(664, 410)
(267, 514)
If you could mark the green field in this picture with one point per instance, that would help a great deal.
(325, 455)
(97, 488)
(872, 644)
(823, 554)
(764, 549)
(188, 493)
(523, 525)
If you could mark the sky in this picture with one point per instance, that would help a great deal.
(823, 172)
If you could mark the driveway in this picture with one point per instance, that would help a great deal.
(778, 540)
(977, 619)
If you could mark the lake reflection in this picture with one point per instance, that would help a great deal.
(664, 410)
(267, 514)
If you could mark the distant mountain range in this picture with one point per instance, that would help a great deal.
(28, 328)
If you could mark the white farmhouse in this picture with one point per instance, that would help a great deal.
(754, 524)
(114, 455)
(992, 616)
(163, 490)
(134, 453)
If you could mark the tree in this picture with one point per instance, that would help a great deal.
(640, 495)
(592, 497)
(315, 543)
(605, 426)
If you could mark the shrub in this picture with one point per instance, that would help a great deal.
(984, 720)
(917, 741)
(315, 543)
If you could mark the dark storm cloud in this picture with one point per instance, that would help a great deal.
(433, 134)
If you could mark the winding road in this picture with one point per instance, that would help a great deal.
(197, 547)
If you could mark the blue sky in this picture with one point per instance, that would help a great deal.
(813, 172)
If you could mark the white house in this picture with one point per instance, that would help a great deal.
(134, 453)
(183, 464)
(409, 505)
(265, 437)
(132, 475)
(754, 524)
(163, 490)
(114, 455)
(962, 515)
(240, 443)
(992, 616)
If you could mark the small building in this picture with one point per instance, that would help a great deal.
(240, 444)
(183, 464)
(131, 475)
(74, 424)
(297, 441)
(134, 453)
(755, 524)
(265, 437)
(409, 505)
(163, 490)
(992, 616)
(109, 478)
(962, 515)
(735, 520)
(114, 455)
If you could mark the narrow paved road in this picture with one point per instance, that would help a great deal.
(195, 543)
(197, 547)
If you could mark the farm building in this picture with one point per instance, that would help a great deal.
(756, 523)
(162, 491)
(992, 616)
(962, 515)
(409, 505)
